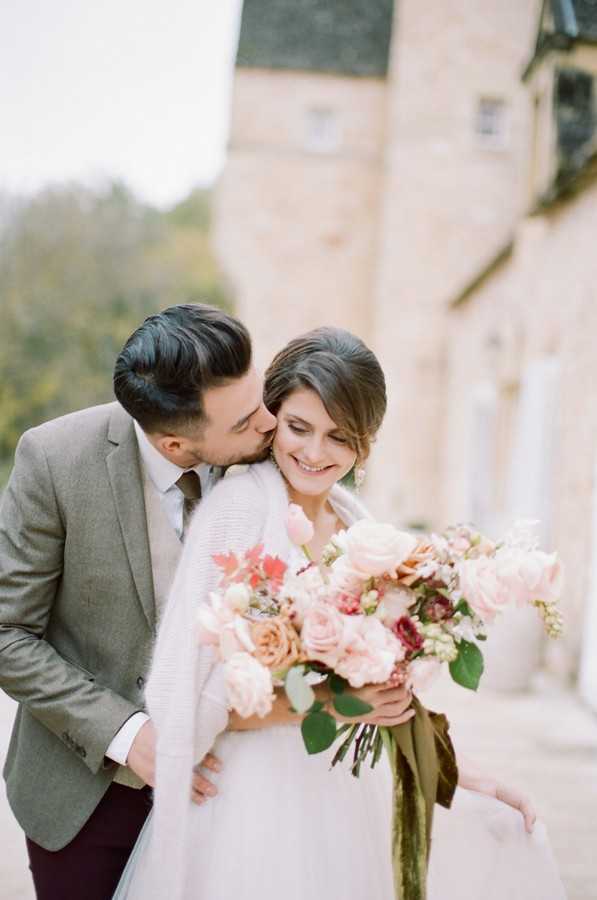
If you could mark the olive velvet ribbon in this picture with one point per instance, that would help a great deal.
(425, 773)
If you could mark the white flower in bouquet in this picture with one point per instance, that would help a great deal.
(212, 617)
(301, 591)
(465, 628)
(235, 637)
(369, 653)
(438, 643)
(376, 548)
(369, 601)
(523, 535)
(237, 597)
(249, 686)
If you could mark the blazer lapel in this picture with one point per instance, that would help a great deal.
(124, 470)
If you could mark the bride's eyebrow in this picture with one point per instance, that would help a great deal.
(298, 419)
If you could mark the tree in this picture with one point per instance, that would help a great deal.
(79, 270)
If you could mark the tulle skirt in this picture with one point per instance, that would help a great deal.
(286, 827)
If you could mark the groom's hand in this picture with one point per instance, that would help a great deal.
(141, 758)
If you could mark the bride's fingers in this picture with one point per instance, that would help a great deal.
(203, 786)
(393, 720)
(518, 801)
(212, 762)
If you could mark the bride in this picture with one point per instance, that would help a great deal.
(283, 825)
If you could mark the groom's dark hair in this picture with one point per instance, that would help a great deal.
(168, 363)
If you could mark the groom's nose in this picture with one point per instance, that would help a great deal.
(264, 421)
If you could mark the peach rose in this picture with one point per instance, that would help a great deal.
(276, 642)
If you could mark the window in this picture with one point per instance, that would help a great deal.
(575, 111)
(322, 131)
(490, 123)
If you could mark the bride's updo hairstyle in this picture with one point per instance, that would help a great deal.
(345, 375)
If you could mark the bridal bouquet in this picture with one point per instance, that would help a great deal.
(380, 600)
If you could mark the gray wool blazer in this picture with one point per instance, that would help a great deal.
(77, 613)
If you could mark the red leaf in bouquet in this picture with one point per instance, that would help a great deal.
(255, 580)
(274, 569)
(228, 562)
(253, 556)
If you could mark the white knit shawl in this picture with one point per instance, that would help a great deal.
(185, 690)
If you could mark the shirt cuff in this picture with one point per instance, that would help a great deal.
(122, 741)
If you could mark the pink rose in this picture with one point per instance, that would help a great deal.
(322, 633)
(345, 579)
(369, 654)
(482, 588)
(377, 549)
(249, 687)
(299, 527)
(530, 575)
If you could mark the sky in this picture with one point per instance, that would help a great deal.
(130, 89)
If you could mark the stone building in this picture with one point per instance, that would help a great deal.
(423, 174)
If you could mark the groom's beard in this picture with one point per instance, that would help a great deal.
(258, 455)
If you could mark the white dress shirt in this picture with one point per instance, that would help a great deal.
(164, 475)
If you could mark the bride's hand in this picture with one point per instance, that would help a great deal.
(470, 778)
(517, 800)
(390, 702)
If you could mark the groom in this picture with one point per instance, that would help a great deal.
(91, 526)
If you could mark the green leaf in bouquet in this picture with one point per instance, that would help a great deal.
(350, 706)
(317, 706)
(467, 668)
(463, 607)
(300, 694)
(337, 685)
(319, 731)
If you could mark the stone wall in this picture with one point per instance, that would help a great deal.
(541, 304)
(450, 200)
(297, 211)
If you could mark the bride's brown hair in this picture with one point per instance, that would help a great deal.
(343, 372)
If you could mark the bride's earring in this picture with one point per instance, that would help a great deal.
(359, 476)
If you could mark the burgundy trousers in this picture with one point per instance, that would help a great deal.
(89, 868)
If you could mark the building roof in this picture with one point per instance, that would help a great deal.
(345, 37)
(562, 24)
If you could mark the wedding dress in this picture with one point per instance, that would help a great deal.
(283, 825)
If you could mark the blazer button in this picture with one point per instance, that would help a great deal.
(140, 682)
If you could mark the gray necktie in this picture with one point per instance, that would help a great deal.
(190, 485)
